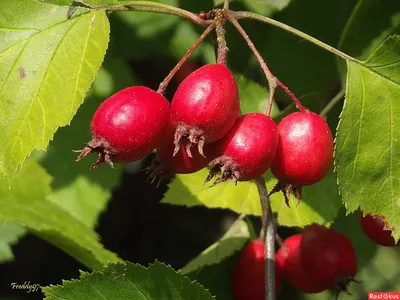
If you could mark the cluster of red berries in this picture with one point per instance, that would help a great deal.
(318, 259)
(205, 112)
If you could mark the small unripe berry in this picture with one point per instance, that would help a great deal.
(247, 151)
(205, 106)
(127, 126)
(374, 228)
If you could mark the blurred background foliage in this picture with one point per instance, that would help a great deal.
(124, 208)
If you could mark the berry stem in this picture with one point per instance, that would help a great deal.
(250, 15)
(268, 227)
(296, 100)
(339, 96)
(273, 82)
(268, 74)
(226, 4)
(166, 81)
(151, 6)
(221, 42)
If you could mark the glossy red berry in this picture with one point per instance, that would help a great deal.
(374, 228)
(165, 164)
(248, 150)
(289, 259)
(328, 256)
(205, 106)
(248, 274)
(128, 125)
(305, 149)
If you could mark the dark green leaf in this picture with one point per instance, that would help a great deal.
(232, 241)
(130, 281)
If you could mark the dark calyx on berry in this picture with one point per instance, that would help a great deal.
(100, 146)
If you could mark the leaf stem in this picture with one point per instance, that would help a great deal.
(226, 4)
(166, 81)
(268, 228)
(332, 103)
(250, 15)
(150, 6)
(222, 48)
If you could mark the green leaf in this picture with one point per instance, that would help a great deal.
(232, 241)
(218, 277)
(47, 64)
(130, 281)
(188, 190)
(320, 203)
(25, 205)
(361, 37)
(367, 153)
(9, 235)
(140, 34)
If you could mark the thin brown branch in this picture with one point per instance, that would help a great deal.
(222, 48)
(268, 227)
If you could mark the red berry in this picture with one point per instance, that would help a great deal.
(248, 150)
(248, 274)
(127, 126)
(166, 164)
(289, 258)
(374, 228)
(205, 106)
(328, 256)
(305, 149)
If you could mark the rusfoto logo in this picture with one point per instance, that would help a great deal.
(383, 295)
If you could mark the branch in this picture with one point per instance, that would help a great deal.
(226, 4)
(150, 6)
(222, 48)
(249, 15)
(268, 226)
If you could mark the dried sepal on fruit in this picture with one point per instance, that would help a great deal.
(166, 164)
